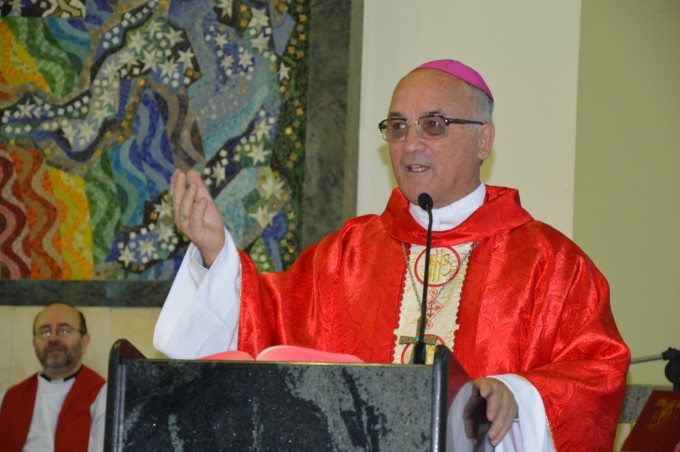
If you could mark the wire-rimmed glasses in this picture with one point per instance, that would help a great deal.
(429, 126)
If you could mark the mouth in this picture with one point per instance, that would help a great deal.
(416, 168)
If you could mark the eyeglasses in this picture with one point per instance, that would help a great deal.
(430, 127)
(61, 331)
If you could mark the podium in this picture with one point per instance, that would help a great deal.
(192, 405)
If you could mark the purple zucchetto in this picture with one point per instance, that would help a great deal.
(459, 70)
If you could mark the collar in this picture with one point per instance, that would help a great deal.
(501, 211)
(453, 215)
(73, 375)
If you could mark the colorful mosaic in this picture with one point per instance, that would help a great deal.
(101, 100)
(42, 8)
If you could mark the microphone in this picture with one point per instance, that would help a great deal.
(420, 351)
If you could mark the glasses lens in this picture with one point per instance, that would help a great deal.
(394, 129)
(382, 126)
(43, 332)
(64, 331)
(432, 126)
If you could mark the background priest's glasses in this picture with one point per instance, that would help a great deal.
(194, 405)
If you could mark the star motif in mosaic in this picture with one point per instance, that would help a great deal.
(284, 72)
(147, 248)
(257, 153)
(225, 7)
(164, 209)
(127, 256)
(174, 36)
(165, 231)
(263, 128)
(260, 43)
(260, 19)
(185, 57)
(263, 216)
(137, 42)
(219, 173)
(221, 40)
(272, 187)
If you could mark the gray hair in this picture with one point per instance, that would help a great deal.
(483, 105)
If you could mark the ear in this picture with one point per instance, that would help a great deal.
(85, 341)
(485, 138)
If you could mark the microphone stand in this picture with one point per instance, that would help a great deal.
(420, 350)
(672, 370)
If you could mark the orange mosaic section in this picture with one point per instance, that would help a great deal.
(76, 236)
(18, 67)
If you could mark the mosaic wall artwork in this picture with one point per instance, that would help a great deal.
(100, 100)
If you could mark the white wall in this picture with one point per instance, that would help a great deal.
(527, 50)
(627, 214)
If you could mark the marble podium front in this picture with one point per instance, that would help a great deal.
(232, 405)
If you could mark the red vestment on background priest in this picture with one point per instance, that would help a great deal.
(74, 422)
(532, 304)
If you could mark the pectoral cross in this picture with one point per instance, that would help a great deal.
(428, 340)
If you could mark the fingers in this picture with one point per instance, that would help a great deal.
(501, 407)
(473, 415)
(177, 188)
(501, 413)
(197, 213)
(194, 178)
(186, 204)
(472, 403)
(184, 200)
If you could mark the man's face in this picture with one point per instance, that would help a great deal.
(446, 168)
(59, 355)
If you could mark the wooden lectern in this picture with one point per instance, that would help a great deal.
(192, 405)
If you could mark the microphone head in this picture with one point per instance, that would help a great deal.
(425, 201)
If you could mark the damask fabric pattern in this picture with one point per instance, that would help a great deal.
(96, 111)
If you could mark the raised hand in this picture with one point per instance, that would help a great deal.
(196, 214)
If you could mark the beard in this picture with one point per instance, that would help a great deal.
(57, 357)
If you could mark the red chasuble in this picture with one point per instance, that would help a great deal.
(532, 304)
(73, 425)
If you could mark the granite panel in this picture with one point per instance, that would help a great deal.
(160, 404)
(39, 292)
(332, 138)
(211, 405)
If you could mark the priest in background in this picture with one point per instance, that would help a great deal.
(62, 408)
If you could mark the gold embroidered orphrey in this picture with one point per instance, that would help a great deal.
(448, 266)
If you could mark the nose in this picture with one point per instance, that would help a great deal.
(413, 139)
